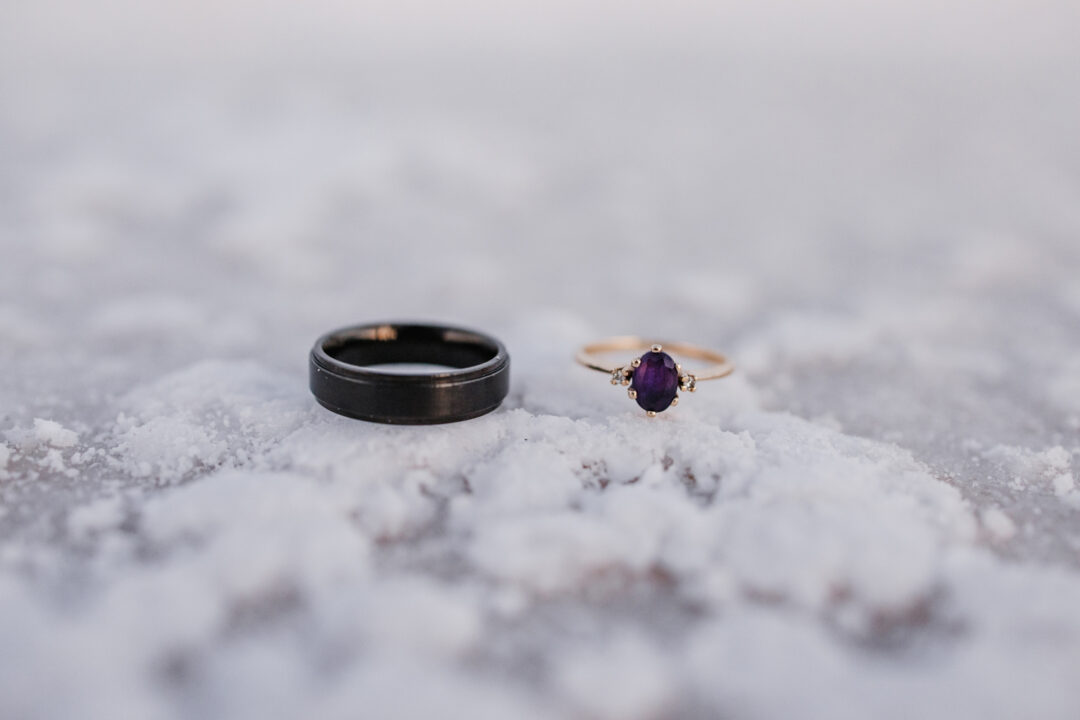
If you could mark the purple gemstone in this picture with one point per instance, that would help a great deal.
(656, 381)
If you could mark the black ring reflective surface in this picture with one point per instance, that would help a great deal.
(342, 381)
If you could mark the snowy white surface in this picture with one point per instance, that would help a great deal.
(874, 210)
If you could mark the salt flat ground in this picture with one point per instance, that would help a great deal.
(874, 210)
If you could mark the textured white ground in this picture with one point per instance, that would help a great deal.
(876, 211)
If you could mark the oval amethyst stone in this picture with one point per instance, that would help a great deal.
(656, 381)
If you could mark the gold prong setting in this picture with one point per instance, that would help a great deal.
(624, 376)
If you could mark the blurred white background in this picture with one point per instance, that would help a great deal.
(874, 207)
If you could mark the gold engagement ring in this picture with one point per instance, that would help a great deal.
(654, 379)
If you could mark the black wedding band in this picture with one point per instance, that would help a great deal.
(342, 381)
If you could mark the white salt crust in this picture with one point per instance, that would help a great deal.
(794, 544)
(877, 516)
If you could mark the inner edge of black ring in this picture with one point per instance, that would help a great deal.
(351, 351)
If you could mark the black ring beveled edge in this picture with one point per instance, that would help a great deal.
(409, 420)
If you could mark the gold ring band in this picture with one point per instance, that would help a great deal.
(654, 378)
(721, 366)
